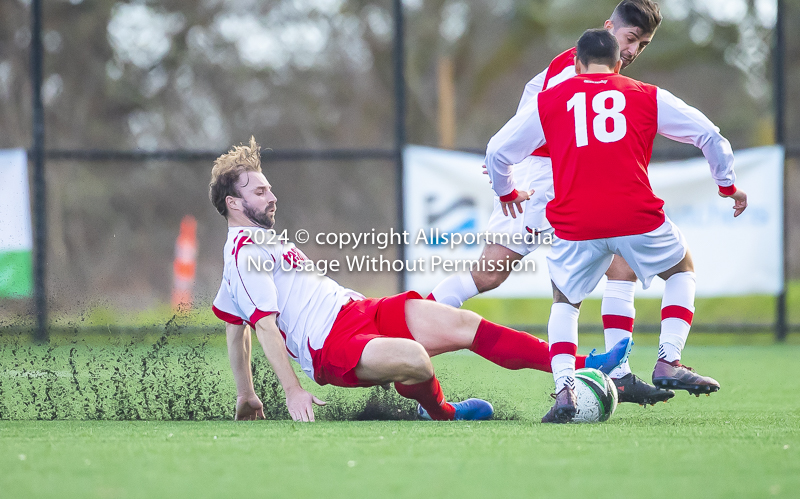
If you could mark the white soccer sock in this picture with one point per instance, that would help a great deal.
(455, 290)
(677, 311)
(563, 366)
(562, 333)
(618, 314)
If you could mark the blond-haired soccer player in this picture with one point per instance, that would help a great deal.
(337, 335)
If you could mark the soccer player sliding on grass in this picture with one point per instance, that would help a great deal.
(600, 127)
(337, 335)
(633, 23)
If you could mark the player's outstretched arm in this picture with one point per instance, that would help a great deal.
(248, 405)
(299, 402)
(682, 123)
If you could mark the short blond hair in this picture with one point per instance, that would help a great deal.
(226, 171)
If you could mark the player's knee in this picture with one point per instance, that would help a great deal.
(620, 271)
(559, 297)
(466, 321)
(418, 364)
(489, 279)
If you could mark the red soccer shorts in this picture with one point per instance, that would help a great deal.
(357, 324)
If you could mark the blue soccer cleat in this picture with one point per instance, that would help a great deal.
(468, 410)
(607, 362)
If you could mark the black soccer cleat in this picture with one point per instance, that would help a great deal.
(676, 376)
(564, 408)
(632, 388)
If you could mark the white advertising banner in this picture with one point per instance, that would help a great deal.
(446, 193)
(15, 225)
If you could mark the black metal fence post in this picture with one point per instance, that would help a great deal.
(400, 123)
(39, 185)
(781, 326)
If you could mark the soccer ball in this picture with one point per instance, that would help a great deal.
(597, 396)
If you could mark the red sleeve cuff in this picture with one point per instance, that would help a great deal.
(258, 315)
(509, 197)
(727, 191)
(226, 317)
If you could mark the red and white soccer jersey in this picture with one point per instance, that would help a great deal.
(561, 68)
(600, 130)
(263, 279)
(532, 173)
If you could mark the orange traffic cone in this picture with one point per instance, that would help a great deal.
(185, 265)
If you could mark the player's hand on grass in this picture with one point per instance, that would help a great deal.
(740, 201)
(249, 408)
(300, 404)
(509, 207)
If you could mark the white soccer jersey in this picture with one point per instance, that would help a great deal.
(264, 276)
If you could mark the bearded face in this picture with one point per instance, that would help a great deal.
(265, 218)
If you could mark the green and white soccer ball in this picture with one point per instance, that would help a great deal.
(597, 396)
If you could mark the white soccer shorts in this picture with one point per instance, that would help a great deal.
(576, 267)
(534, 172)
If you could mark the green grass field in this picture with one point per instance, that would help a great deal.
(741, 442)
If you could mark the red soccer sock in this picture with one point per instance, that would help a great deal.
(430, 396)
(513, 349)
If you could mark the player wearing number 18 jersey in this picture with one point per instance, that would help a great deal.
(633, 23)
(599, 127)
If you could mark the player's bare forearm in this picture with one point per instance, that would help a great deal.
(239, 345)
(248, 405)
(272, 343)
(298, 401)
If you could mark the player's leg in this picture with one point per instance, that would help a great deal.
(617, 308)
(357, 353)
(576, 268)
(457, 289)
(392, 354)
(487, 280)
(511, 237)
(562, 332)
(677, 311)
(618, 316)
(677, 308)
(442, 329)
(648, 255)
(389, 360)
(406, 363)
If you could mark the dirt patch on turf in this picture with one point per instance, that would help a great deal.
(167, 373)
